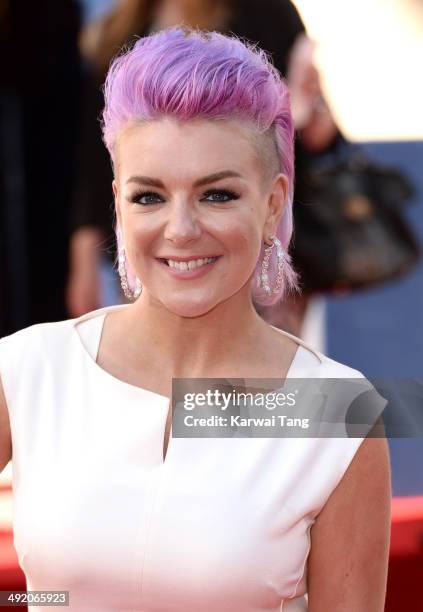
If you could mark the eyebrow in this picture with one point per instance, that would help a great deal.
(210, 178)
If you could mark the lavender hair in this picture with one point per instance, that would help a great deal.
(188, 73)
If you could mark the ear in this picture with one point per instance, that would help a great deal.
(117, 202)
(276, 204)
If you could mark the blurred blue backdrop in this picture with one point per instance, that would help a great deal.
(380, 331)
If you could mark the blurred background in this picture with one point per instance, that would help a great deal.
(357, 99)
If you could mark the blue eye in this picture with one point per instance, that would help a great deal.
(137, 197)
(221, 193)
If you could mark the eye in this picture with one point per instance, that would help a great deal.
(149, 196)
(223, 195)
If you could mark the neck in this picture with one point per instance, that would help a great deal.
(193, 346)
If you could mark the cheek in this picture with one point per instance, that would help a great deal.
(245, 236)
(246, 239)
(139, 233)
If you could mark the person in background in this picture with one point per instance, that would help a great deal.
(277, 27)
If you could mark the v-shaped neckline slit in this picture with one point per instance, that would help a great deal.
(91, 358)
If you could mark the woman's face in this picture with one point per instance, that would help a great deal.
(192, 191)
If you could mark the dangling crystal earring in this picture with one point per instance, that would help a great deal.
(131, 295)
(265, 266)
(138, 288)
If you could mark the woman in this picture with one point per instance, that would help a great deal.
(201, 140)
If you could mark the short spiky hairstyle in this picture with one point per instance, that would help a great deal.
(186, 74)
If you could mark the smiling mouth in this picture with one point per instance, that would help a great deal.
(192, 264)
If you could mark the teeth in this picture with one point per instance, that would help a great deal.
(190, 265)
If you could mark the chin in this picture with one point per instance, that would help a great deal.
(189, 308)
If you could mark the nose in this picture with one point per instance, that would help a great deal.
(182, 224)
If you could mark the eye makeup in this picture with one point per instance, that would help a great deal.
(152, 197)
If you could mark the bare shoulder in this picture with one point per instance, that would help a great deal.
(348, 562)
(5, 433)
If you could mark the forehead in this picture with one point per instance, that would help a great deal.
(187, 148)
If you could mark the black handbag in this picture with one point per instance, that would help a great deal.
(349, 229)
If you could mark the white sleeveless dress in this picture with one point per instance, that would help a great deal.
(219, 525)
